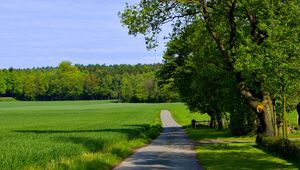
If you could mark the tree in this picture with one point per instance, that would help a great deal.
(2, 83)
(14, 86)
(202, 81)
(66, 83)
(91, 86)
(257, 41)
(29, 87)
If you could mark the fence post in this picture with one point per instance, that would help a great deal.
(193, 123)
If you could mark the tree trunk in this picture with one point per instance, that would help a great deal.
(268, 116)
(212, 123)
(220, 121)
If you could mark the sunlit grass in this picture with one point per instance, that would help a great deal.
(183, 116)
(240, 156)
(219, 150)
(74, 134)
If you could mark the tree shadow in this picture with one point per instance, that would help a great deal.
(294, 161)
(93, 164)
(91, 144)
(205, 133)
(161, 160)
(132, 131)
(145, 126)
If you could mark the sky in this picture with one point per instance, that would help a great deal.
(36, 33)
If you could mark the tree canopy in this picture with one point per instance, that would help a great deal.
(255, 42)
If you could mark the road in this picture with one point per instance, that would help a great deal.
(171, 150)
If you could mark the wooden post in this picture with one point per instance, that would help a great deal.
(193, 123)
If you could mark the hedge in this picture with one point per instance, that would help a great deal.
(283, 147)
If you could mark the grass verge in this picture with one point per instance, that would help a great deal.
(219, 150)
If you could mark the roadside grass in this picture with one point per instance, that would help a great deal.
(240, 156)
(292, 117)
(219, 150)
(3, 99)
(74, 134)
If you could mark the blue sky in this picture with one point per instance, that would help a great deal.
(35, 33)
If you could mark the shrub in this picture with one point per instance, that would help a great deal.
(154, 131)
(281, 146)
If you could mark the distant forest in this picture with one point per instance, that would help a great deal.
(126, 83)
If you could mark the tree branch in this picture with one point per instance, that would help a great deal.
(180, 16)
(258, 35)
(215, 35)
(232, 24)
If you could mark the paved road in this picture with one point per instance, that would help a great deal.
(171, 150)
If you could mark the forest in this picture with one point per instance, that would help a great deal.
(126, 83)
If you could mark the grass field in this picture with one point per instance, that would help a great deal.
(74, 135)
(223, 151)
(100, 134)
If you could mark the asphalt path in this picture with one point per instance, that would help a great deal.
(171, 150)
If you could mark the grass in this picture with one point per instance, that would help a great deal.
(74, 134)
(3, 99)
(292, 117)
(100, 134)
(183, 116)
(240, 156)
(223, 151)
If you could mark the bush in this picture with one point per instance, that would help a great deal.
(242, 121)
(281, 146)
(154, 131)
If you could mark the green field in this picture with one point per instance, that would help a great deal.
(74, 134)
(100, 134)
(81, 134)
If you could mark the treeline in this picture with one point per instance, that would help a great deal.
(126, 83)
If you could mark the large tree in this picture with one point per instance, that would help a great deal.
(257, 41)
(2, 83)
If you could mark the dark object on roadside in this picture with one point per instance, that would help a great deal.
(193, 123)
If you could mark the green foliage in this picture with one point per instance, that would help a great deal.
(251, 48)
(281, 146)
(126, 83)
(193, 67)
(243, 120)
(2, 84)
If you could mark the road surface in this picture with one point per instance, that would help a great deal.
(171, 150)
